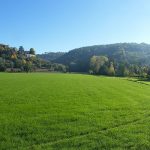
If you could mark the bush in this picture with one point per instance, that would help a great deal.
(2, 68)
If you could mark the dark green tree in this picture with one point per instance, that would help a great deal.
(21, 49)
(32, 51)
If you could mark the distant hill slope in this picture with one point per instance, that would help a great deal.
(131, 53)
(50, 56)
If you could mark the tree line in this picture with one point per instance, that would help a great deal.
(111, 60)
(102, 65)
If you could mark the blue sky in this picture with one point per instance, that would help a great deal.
(62, 25)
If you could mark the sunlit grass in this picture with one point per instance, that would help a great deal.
(71, 111)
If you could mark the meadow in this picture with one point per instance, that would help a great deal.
(73, 111)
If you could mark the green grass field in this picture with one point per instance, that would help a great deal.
(71, 111)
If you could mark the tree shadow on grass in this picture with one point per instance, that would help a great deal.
(145, 81)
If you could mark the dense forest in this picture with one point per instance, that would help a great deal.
(20, 60)
(121, 59)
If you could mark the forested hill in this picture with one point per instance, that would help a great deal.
(129, 53)
(21, 60)
(122, 59)
(50, 56)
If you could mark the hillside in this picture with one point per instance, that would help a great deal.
(71, 111)
(131, 53)
(50, 56)
(122, 59)
(21, 60)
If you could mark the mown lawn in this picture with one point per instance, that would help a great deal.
(72, 111)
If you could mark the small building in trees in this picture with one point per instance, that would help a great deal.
(28, 55)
